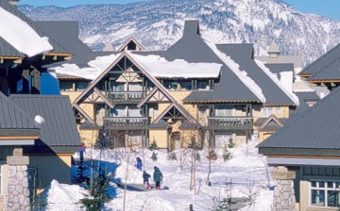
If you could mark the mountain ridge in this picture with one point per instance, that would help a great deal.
(159, 23)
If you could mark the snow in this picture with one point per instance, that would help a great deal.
(94, 69)
(21, 35)
(282, 86)
(247, 170)
(39, 119)
(65, 197)
(286, 78)
(242, 75)
(179, 68)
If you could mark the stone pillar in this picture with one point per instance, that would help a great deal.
(17, 197)
(284, 195)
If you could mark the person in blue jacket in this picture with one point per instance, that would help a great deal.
(139, 163)
(157, 177)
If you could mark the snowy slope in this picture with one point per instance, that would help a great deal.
(159, 23)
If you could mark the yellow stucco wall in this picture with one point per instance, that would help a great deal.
(280, 112)
(160, 136)
(263, 136)
(72, 95)
(66, 158)
(89, 137)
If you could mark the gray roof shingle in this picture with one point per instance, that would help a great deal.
(67, 33)
(242, 54)
(322, 62)
(192, 48)
(14, 121)
(278, 68)
(59, 128)
(329, 72)
(315, 128)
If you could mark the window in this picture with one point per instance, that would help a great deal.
(81, 85)
(267, 111)
(66, 86)
(178, 85)
(202, 85)
(325, 194)
(172, 85)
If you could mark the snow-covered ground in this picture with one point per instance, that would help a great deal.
(246, 170)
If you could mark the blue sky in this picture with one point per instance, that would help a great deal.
(329, 8)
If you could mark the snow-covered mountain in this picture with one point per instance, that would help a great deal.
(158, 24)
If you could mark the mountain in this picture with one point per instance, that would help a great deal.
(158, 24)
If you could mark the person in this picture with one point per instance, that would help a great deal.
(139, 163)
(146, 177)
(157, 177)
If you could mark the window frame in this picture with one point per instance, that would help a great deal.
(325, 189)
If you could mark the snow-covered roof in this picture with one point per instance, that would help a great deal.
(283, 87)
(179, 68)
(94, 69)
(242, 75)
(21, 35)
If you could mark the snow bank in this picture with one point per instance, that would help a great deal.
(65, 197)
(179, 68)
(242, 75)
(21, 35)
(95, 68)
(245, 166)
(272, 76)
(134, 176)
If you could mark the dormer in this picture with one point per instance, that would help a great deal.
(273, 50)
(131, 44)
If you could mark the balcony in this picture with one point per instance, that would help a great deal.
(230, 123)
(128, 96)
(126, 123)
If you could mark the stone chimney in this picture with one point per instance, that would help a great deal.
(13, 2)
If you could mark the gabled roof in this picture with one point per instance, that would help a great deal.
(278, 68)
(138, 64)
(315, 131)
(14, 121)
(161, 124)
(59, 128)
(322, 62)
(274, 92)
(192, 48)
(271, 123)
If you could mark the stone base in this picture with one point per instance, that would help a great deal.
(284, 194)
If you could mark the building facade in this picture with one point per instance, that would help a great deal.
(195, 91)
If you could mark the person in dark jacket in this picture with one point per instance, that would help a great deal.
(139, 163)
(157, 177)
(146, 177)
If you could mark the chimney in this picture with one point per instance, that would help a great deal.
(191, 28)
(13, 2)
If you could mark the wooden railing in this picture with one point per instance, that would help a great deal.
(126, 123)
(230, 123)
(127, 96)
